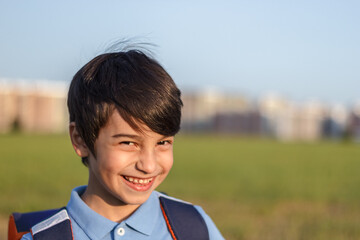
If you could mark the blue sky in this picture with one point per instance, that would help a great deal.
(299, 49)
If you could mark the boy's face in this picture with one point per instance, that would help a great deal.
(128, 164)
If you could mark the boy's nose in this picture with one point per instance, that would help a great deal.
(147, 161)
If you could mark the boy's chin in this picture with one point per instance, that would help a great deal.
(136, 199)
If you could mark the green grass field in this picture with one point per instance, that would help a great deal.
(252, 188)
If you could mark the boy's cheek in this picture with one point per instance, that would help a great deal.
(168, 163)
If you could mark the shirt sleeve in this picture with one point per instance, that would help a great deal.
(27, 237)
(214, 233)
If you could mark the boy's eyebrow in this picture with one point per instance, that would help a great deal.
(119, 135)
(137, 137)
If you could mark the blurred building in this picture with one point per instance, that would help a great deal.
(202, 108)
(38, 106)
(287, 120)
(353, 129)
(278, 114)
(335, 122)
(272, 116)
(249, 123)
(8, 107)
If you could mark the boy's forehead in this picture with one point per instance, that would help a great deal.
(116, 123)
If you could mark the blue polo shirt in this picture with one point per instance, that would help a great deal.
(146, 223)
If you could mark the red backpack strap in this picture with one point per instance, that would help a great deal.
(183, 220)
(13, 233)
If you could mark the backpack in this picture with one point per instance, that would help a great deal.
(182, 219)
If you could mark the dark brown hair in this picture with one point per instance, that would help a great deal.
(130, 82)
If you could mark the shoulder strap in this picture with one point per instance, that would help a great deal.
(21, 223)
(183, 220)
(57, 227)
(49, 224)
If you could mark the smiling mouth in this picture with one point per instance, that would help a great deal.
(139, 181)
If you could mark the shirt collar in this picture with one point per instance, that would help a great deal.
(92, 223)
(145, 218)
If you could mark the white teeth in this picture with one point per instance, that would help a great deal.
(136, 180)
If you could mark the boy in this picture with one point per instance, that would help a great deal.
(124, 112)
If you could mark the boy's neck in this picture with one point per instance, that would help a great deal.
(113, 212)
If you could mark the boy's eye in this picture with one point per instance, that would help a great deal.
(128, 143)
(165, 142)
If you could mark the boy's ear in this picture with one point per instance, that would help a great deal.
(78, 143)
